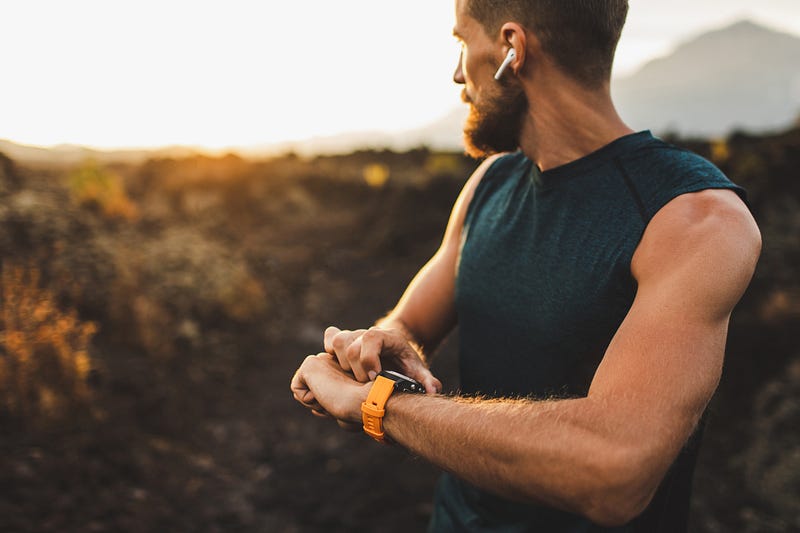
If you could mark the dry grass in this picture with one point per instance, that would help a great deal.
(45, 351)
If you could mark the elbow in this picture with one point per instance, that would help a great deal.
(611, 512)
(623, 490)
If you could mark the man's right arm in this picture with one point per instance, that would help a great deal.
(425, 313)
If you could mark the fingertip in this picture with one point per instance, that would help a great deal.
(327, 337)
(373, 366)
(434, 386)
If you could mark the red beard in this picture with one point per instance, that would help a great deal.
(495, 124)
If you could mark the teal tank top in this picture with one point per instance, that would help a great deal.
(543, 283)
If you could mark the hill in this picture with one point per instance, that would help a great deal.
(70, 154)
(744, 76)
(741, 77)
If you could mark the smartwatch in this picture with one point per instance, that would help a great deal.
(385, 384)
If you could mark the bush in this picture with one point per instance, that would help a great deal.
(44, 358)
(185, 285)
(93, 186)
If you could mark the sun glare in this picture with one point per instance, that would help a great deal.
(149, 73)
(239, 73)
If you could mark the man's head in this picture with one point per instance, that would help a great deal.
(581, 36)
(577, 37)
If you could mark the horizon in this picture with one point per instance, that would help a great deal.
(251, 107)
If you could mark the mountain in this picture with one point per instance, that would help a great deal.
(70, 154)
(744, 76)
(442, 134)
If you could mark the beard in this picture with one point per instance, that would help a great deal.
(494, 125)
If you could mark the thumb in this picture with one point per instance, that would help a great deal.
(431, 383)
(421, 373)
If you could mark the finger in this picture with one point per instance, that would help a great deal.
(353, 355)
(298, 383)
(320, 413)
(429, 381)
(340, 343)
(295, 384)
(433, 386)
(307, 400)
(330, 333)
(325, 356)
(306, 397)
(416, 369)
(372, 346)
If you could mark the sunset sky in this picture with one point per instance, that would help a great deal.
(242, 73)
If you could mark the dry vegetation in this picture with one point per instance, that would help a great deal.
(152, 315)
(45, 363)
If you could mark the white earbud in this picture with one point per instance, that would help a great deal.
(511, 56)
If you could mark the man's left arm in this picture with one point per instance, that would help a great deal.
(602, 456)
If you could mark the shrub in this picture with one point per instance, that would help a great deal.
(44, 360)
(185, 282)
(93, 186)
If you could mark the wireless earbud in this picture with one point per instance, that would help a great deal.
(511, 56)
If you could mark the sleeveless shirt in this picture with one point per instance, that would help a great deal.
(543, 283)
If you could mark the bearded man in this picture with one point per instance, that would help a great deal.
(592, 271)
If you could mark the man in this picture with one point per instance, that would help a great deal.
(592, 274)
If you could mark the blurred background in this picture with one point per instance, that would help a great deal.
(190, 192)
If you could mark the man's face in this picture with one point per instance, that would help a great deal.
(497, 108)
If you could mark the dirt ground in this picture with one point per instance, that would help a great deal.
(205, 437)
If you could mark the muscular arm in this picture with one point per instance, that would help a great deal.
(603, 456)
(421, 319)
(426, 311)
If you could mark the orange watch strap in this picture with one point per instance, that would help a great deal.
(372, 410)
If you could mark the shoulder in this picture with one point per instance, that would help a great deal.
(489, 168)
(705, 235)
(660, 172)
(663, 156)
(494, 166)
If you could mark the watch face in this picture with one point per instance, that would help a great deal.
(396, 376)
(402, 382)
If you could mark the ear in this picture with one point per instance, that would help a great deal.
(513, 35)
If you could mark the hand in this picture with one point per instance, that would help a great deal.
(322, 386)
(363, 352)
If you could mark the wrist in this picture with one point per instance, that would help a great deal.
(373, 409)
(354, 414)
(402, 412)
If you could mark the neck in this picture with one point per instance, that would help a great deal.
(566, 121)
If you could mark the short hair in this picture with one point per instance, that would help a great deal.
(580, 35)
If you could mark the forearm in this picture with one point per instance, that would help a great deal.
(563, 453)
(426, 311)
